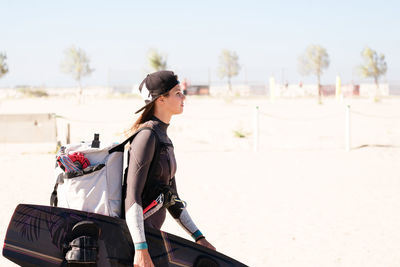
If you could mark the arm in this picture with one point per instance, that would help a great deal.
(141, 154)
(180, 214)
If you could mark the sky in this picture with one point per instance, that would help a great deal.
(268, 37)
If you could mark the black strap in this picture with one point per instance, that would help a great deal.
(53, 197)
(87, 170)
(121, 147)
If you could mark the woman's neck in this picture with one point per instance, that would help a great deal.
(162, 116)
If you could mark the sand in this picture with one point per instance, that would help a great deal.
(300, 200)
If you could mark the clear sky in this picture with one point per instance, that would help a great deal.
(268, 37)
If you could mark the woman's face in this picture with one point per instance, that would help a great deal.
(174, 102)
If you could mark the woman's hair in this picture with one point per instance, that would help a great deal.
(146, 115)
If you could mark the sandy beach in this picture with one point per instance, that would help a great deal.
(300, 200)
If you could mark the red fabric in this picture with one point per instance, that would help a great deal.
(152, 204)
(77, 156)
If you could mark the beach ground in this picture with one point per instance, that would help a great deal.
(300, 200)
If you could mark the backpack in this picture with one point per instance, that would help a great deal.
(91, 178)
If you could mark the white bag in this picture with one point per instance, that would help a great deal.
(98, 191)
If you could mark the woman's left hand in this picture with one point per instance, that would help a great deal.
(205, 243)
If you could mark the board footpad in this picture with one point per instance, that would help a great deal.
(84, 247)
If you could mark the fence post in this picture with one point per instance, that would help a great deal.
(68, 133)
(256, 129)
(348, 134)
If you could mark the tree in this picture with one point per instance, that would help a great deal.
(228, 66)
(157, 61)
(374, 66)
(314, 61)
(76, 63)
(3, 64)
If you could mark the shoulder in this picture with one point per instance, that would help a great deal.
(143, 146)
(145, 134)
(148, 124)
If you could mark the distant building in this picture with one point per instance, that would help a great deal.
(303, 90)
(198, 90)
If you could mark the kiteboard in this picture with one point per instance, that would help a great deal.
(42, 235)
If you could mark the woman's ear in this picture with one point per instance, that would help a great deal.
(160, 99)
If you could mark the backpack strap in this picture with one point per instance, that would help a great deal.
(152, 164)
(53, 196)
(121, 147)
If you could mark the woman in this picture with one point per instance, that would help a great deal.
(146, 179)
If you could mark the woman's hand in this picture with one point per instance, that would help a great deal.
(205, 243)
(142, 258)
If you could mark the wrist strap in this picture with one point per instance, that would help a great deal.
(196, 235)
(139, 246)
(200, 237)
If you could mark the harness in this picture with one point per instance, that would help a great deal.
(155, 195)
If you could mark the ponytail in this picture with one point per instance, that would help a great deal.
(146, 115)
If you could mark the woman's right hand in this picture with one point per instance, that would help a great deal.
(142, 258)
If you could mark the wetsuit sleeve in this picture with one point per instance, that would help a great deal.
(141, 154)
(180, 214)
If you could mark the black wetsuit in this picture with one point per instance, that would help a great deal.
(142, 152)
